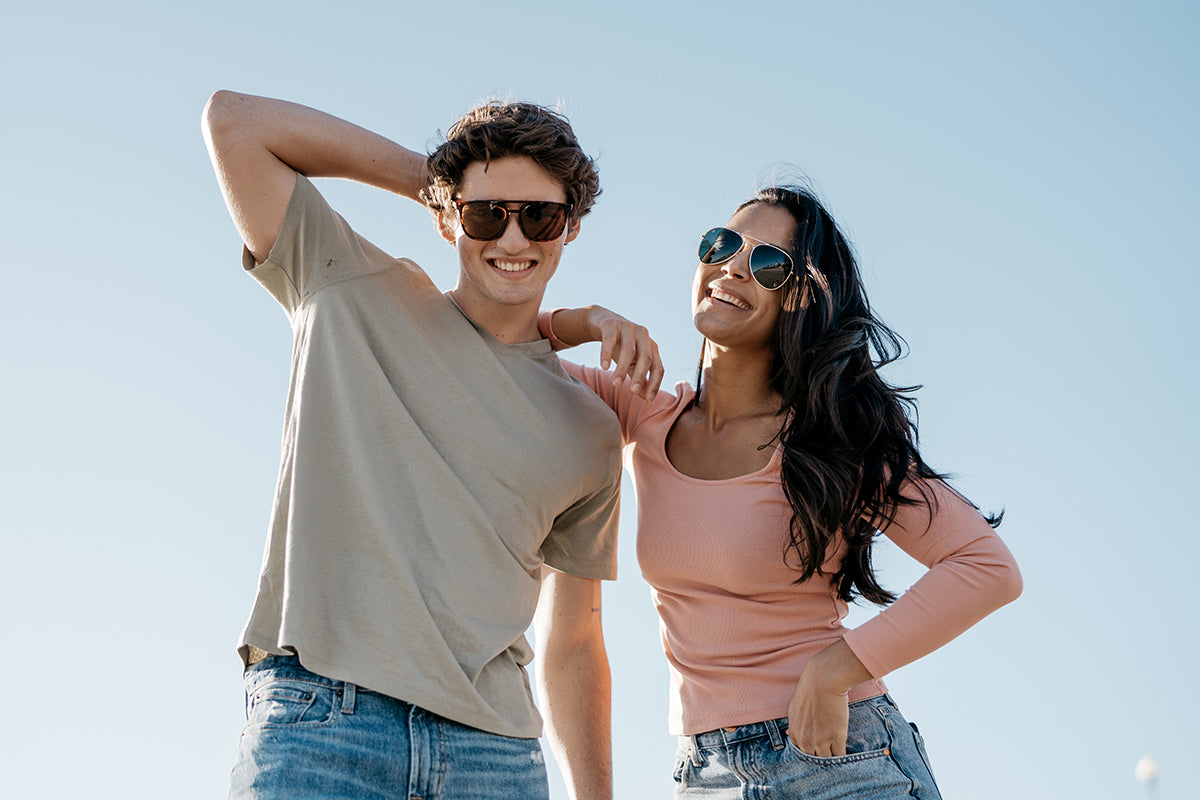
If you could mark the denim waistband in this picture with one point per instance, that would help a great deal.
(773, 729)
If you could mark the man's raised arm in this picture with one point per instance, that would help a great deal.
(257, 146)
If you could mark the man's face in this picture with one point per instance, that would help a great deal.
(501, 278)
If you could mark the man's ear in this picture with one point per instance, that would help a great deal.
(573, 231)
(447, 225)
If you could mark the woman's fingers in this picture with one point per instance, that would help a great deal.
(633, 355)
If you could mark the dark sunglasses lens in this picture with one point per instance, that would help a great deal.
(719, 244)
(482, 220)
(770, 266)
(542, 222)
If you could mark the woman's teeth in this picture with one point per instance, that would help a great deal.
(728, 298)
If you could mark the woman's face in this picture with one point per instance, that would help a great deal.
(728, 305)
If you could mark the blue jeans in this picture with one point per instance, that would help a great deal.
(885, 760)
(307, 736)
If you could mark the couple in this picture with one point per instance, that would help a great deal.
(445, 480)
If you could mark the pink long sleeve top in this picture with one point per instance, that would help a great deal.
(736, 628)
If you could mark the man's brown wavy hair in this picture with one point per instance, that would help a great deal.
(494, 130)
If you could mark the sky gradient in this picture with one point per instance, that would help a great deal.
(1020, 183)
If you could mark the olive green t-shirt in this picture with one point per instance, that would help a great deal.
(428, 471)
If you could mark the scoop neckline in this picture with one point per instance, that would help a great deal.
(686, 399)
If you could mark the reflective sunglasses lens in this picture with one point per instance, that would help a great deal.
(542, 222)
(770, 266)
(719, 244)
(482, 220)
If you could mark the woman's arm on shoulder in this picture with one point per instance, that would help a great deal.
(624, 345)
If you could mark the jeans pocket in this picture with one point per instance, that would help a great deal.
(833, 761)
(291, 703)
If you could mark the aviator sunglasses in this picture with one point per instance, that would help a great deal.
(486, 220)
(769, 265)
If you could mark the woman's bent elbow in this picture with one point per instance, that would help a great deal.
(1011, 585)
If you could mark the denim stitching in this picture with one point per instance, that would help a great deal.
(270, 689)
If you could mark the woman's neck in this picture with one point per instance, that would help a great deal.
(736, 384)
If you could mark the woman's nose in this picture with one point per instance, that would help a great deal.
(738, 267)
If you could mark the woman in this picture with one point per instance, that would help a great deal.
(760, 493)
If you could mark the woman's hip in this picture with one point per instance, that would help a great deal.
(885, 758)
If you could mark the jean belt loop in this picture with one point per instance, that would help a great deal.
(349, 695)
(775, 734)
(694, 752)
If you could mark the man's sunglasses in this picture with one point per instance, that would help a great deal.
(486, 220)
(769, 265)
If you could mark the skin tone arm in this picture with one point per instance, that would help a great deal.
(625, 345)
(257, 146)
(574, 682)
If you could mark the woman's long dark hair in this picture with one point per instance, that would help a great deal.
(849, 438)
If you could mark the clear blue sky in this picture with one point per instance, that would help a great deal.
(1020, 180)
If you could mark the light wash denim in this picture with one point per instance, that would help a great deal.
(307, 736)
(885, 760)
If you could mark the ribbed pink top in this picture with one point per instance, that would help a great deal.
(737, 630)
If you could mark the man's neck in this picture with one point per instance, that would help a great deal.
(509, 324)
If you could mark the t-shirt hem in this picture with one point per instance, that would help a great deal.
(407, 693)
(863, 691)
(598, 571)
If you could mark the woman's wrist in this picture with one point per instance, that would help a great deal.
(569, 327)
(593, 318)
(546, 328)
(836, 669)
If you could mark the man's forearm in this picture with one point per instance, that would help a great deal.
(574, 682)
(576, 689)
(314, 143)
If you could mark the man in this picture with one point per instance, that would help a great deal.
(439, 469)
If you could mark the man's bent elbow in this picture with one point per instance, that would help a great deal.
(220, 115)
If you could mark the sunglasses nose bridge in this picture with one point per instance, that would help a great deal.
(513, 236)
(737, 266)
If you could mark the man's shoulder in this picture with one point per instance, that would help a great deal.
(332, 250)
(588, 413)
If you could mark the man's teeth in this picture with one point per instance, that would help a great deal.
(512, 266)
(717, 294)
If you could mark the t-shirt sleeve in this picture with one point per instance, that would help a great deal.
(971, 574)
(315, 247)
(583, 540)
